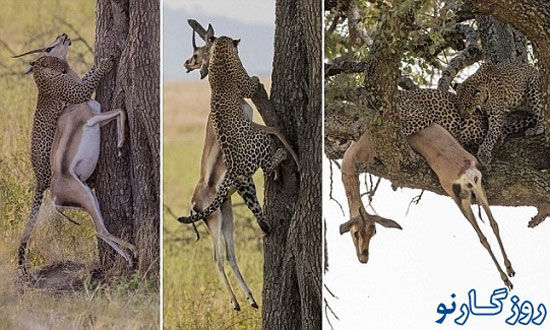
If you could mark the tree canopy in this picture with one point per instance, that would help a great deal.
(372, 48)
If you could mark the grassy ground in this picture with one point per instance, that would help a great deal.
(62, 254)
(194, 297)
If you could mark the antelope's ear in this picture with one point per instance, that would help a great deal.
(388, 223)
(209, 31)
(236, 42)
(204, 71)
(346, 226)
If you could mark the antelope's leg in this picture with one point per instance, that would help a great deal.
(214, 223)
(105, 117)
(224, 192)
(247, 190)
(77, 193)
(227, 229)
(483, 200)
(29, 227)
(465, 207)
(104, 231)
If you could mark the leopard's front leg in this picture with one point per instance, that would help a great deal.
(494, 134)
(250, 86)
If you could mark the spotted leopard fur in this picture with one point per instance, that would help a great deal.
(57, 86)
(419, 108)
(244, 147)
(497, 90)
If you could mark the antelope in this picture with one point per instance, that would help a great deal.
(458, 173)
(68, 147)
(219, 223)
(73, 159)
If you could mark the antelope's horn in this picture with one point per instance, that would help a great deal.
(30, 52)
(194, 43)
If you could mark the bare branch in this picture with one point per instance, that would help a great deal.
(75, 31)
(330, 191)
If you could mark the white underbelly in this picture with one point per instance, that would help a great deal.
(86, 157)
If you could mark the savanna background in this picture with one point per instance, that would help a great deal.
(193, 295)
(61, 254)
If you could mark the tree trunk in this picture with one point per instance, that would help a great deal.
(292, 257)
(128, 186)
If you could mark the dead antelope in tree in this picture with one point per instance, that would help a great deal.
(459, 175)
(65, 138)
(219, 223)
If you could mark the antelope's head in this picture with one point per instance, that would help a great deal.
(201, 55)
(59, 49)
(362, 229)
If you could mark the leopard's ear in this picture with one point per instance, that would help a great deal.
(236, 42)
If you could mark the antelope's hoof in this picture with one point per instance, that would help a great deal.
(236, 307)
(508, 284)
(254, 305)
(510, 271)
(265, 227)
(276, 174)
(533, 131)
(184, 219)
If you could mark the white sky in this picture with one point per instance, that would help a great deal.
(437, 253)
(257, 11)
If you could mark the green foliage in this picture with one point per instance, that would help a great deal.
(422, 50)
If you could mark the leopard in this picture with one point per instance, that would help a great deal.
(245, 148)
(421, 107)
(497, 89)
(57, 87)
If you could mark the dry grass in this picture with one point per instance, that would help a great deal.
(194, 297)
(64, 254)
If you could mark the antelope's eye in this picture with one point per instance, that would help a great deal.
(194, 56)
(49, 49)
(356, 235)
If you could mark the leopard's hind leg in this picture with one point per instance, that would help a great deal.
(246, 188)
(269, 165)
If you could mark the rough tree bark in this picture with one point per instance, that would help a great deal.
(128, 186)
(519, 175)
(292, 257)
